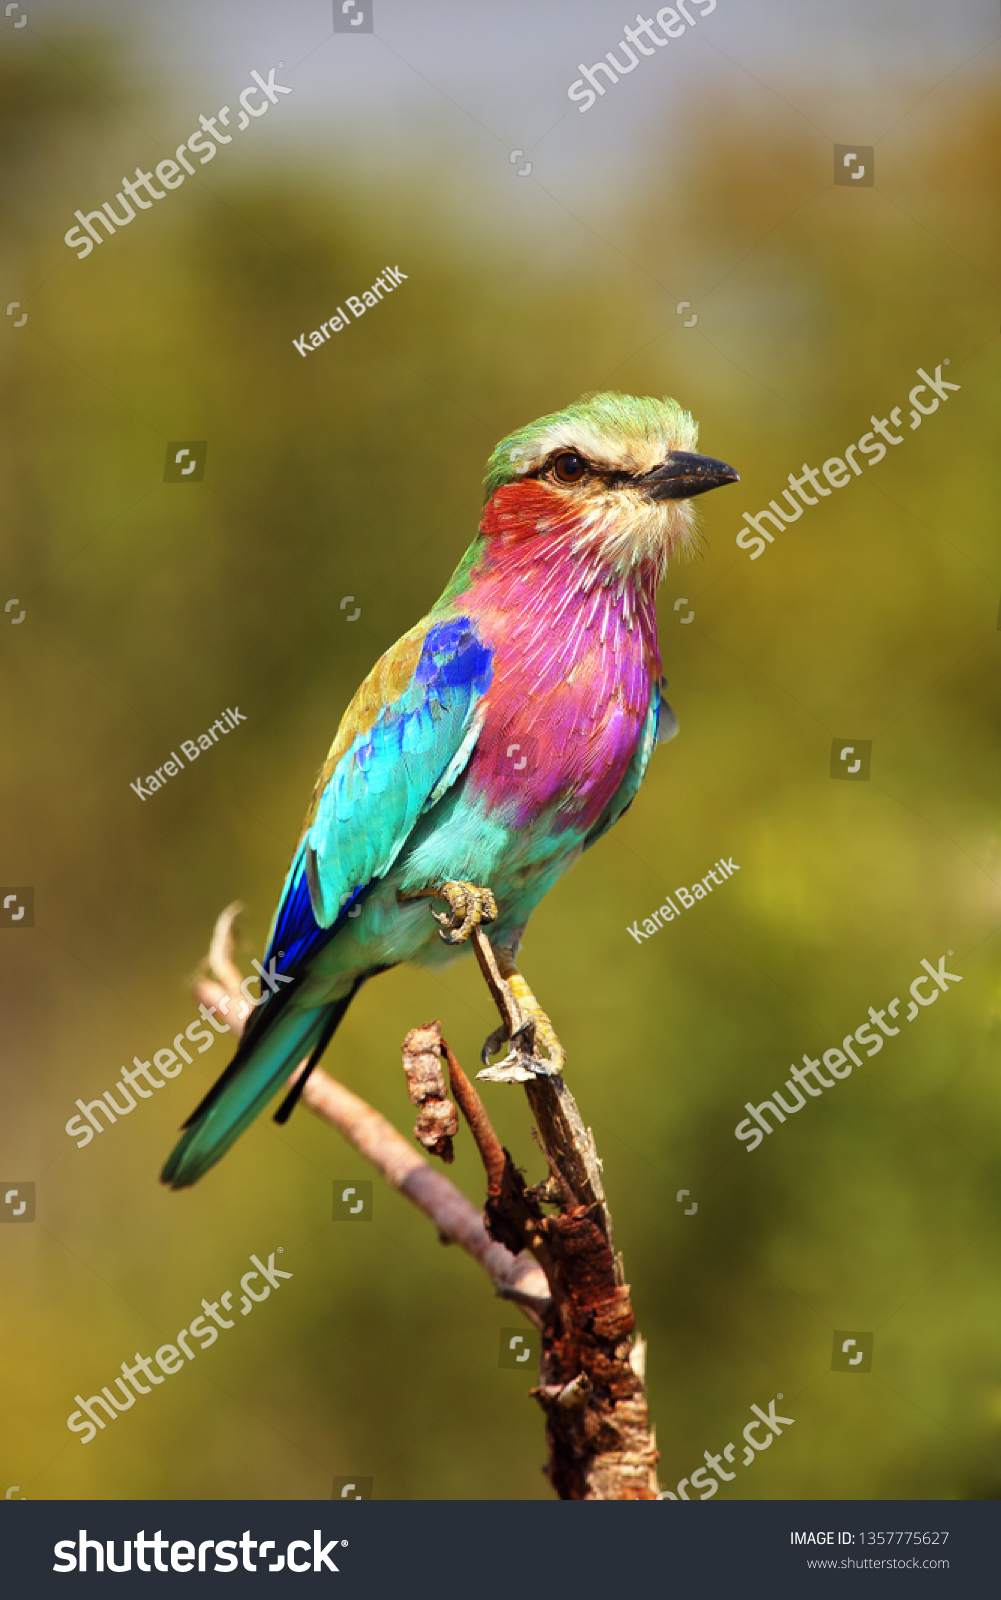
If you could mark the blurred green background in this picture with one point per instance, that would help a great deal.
(151, 607)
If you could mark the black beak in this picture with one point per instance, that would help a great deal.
(685, 475)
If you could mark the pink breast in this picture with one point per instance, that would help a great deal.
(565, 710)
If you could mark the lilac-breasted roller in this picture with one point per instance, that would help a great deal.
(498, 739)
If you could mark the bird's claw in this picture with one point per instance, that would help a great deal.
(469, 904)
(492, 1043)
(521, 1064)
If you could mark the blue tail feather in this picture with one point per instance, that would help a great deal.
(239, 1096)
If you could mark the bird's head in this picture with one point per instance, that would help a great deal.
(614, 475)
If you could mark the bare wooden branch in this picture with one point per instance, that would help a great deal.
(511, 1013)
(472, 1108)
(512, 1213)
(220, 957)
(516, 1276)
(592, 1374)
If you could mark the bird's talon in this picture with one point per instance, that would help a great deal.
(492, 1044)
(469, 905)
(522, 1062)
(522, 1043)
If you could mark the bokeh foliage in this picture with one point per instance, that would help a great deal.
(356, 472)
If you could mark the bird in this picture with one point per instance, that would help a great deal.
(502, 736)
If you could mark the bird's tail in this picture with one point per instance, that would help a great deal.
(263, 1061)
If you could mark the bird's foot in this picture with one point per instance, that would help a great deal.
(524, 1061)
(469, 904)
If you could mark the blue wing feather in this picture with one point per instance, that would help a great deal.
(295, 931)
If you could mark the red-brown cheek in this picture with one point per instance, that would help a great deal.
(517, 508)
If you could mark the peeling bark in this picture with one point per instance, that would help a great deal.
(592, 1372)
(438, 1121)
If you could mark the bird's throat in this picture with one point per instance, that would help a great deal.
(557, 555)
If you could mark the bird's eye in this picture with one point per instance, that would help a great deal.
(569, 468)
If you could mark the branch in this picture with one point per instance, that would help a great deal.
(515, 1276)
(592, 1371)
(592, 1374)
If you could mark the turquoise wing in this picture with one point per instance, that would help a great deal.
(395, 755)
(397, 768)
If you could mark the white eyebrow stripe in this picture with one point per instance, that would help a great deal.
(639, 456)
